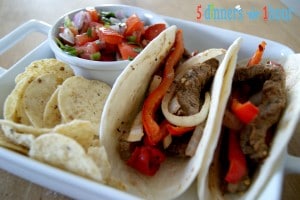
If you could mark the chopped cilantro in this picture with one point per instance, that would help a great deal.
(89, 32)
(131, 39)
(137, 50)
(67, 48)
(67, 22)
(95, 56)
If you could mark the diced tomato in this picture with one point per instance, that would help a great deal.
(95, 25)
(86, 37)
(153, 30)
(108, 57)
(110, 48)
(138, 36)
(86, 51)
(93, 14)
(134, 25)
(146, 159)
(237, 160)
(128, 51)
(246, 112)
(109, 36)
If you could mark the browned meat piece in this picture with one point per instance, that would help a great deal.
(273, 101)
(178, 146)
(190, 85)
(241, 186)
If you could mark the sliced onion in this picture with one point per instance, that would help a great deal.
(174, 105)
(115, 27)
(120, 14)
(78, 19)
(136, 131)
(115, 21)
(67, 36)
(167, 141)
(186, 121)
(195, 139)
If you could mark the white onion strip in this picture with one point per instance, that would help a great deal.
(185, 121)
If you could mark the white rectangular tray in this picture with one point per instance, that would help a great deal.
(196, 36)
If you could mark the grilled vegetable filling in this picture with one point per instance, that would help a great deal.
(247, 135)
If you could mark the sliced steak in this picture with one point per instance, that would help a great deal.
(188, 88)
(273, 101)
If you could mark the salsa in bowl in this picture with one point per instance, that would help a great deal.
(99, 42)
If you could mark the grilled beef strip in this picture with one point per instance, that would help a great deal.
(188, 91)
(188, 88)
(273, 101)
(267, 84)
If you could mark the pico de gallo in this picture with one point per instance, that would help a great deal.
(105, 36)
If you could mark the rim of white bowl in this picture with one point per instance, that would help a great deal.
(90, 64)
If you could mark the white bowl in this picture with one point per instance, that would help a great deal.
(106, 71)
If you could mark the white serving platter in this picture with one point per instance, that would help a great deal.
(196, 36)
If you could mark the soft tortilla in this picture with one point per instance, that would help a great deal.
(284, 132)
(174, 175)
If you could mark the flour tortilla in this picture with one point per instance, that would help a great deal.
(284, 132)
(175, 175)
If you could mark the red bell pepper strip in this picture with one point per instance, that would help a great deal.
(245, 112)
(146, 159)
(256, 58)
(237, 160)
(153, 101)
(178, 130)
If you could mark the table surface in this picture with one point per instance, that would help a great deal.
(280, 26)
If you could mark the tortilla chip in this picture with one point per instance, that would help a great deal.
(51, 115)
(13, 105)
(98, 154)
(23, 139)
(65, 153)
(5, 142)
(22, 128)
(46, 66)
(36, 96)
(80, 130)
(80, 98)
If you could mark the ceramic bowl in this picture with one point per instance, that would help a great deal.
(106, 71)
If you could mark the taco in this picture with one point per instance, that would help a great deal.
(148, 164)
(254, 129)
